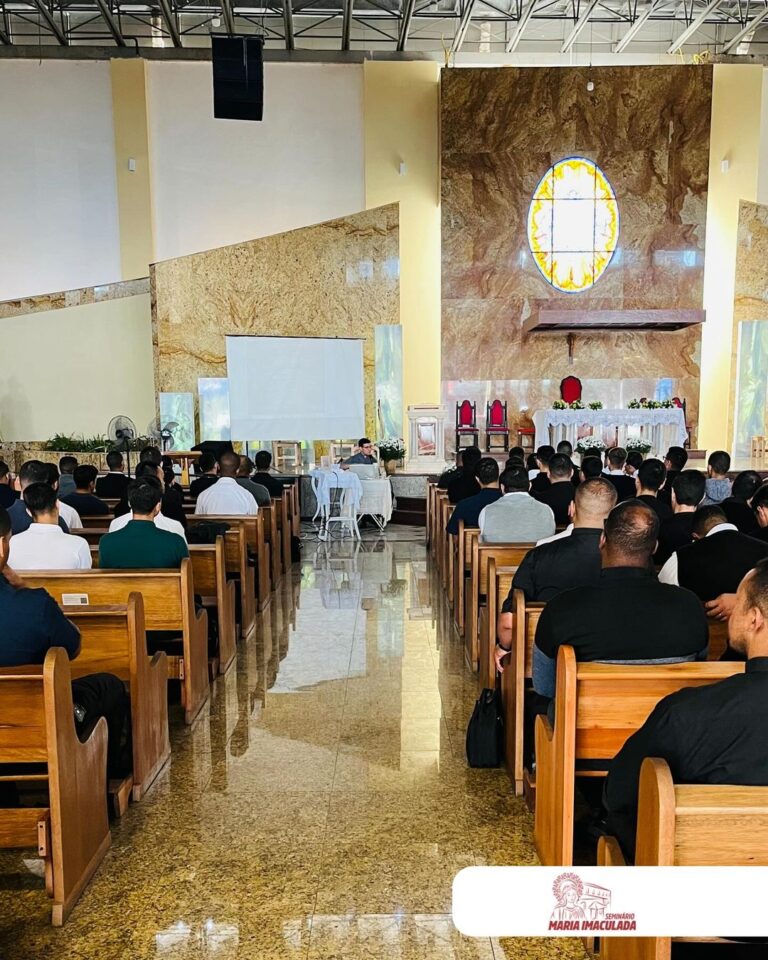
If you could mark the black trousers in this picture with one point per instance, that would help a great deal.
(104, 695)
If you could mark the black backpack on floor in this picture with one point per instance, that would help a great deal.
(485, 733)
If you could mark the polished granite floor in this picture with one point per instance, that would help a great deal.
(321, 806)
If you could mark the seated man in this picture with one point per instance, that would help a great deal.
(31, 622)
(687, 494)
(8, 495)
(738, 507)
(650, 479)
(674, 462)
(262, 476)
(259, 493)
(364, 452)
(464, 483)
(141, 543)
(226, 497)
(540, 478)
(33, 471)
(83, 499)
(68, 514)
(568, 561)
(516, 517)
(559, 494)
(616, 459)
(208, 474)
(148, 474)
(709, 734)
(591, 466)
(114, 485)
(601, 621)
(67, 466)
(468, 509)
(633, 464)
(718, 484)
(717, 560)
(44, 545)
(566, 448)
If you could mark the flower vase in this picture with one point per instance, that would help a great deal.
(389, 467)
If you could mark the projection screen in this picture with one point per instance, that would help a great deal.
(295, 388)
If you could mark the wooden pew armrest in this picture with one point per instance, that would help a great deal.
(609, 853)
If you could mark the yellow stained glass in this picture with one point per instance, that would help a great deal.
(573, 224)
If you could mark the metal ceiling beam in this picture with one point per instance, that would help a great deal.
(405, 23)
(290, 39)
(637, 26)
(579, 26)
(46, 14)
(346, 24)
(170, 23)
(461, 30)
(745, 31)
(228, 17)
(694, 25)
(111, 22)
(522, 23)
(4, 36)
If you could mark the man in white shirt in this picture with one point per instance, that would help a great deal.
(516, 517)
(45, 546)
(226, 497)
(161, 522)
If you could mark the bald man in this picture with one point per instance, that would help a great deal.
(627, 616)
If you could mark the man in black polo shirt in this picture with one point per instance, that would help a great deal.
(540, 481)
(464, 484)
(687, 493)
(738, 507)
(275, 485)
(628, 616)
(468, 509)
(616, 460)
(674, 462)
(564, 563)
(710, 734)
(651, 475)
(717, 560)
(558, 495)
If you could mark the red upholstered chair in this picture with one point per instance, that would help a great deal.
(496, 424)
(466, 423)
(570, 389)
(681, 403)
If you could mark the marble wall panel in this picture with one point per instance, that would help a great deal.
(339, 278)
(73, 298)
(750, 315)
(648, 129)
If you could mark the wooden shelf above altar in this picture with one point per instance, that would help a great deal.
(573, 321)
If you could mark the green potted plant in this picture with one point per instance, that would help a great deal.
(639, 444)
(587, 445)
(391, 451)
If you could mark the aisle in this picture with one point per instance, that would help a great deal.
(322, 806)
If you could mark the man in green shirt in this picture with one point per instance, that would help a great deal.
(140, 544)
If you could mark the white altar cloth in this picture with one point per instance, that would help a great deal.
(662, 428)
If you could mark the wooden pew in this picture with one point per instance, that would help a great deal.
(499, 585)
(515, 680)
(284, 527)
(37, 725)
(598, 706)
(441, 497)
(169, 604)
(461, 569)
(446, 509)
(113, 640)
(431, 488)
(506, 555)
(273, 539)
(256, 546)
(209, 573)
(685, 825)
(98, 522)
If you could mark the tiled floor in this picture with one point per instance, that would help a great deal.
(322, 805)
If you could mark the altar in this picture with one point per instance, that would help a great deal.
(661, 428)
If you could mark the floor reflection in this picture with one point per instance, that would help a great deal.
(321, 805)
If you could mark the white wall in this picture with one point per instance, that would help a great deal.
(72, 370)
(217, 182)
(58, 202)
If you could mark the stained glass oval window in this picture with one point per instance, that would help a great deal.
(573, 224)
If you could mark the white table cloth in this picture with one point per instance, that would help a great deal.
(324, 480)
(662, 428)
(376, 499)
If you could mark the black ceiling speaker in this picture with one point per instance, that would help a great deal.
(238, 78)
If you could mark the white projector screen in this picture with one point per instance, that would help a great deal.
(295, 388)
